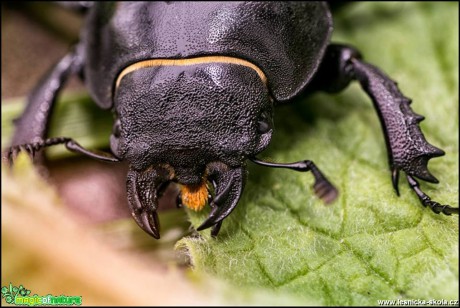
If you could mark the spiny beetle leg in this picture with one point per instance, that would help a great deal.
(408, 150)
(426, 200)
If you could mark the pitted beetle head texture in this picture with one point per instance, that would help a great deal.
(190, 116)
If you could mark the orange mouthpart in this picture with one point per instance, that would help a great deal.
(194, 197)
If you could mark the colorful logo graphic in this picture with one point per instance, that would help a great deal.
(21, 296)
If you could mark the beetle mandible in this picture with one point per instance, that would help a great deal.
(193, 88)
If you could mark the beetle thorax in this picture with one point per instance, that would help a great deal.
(189, 116)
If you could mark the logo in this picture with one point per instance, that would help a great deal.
(21, 296)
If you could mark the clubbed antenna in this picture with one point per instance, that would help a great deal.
(323, 188)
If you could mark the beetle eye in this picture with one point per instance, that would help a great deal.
(116, 129)
(263, 125)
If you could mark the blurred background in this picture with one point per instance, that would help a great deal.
(34, 36)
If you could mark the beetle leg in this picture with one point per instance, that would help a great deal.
(407, 147)
(12, 152)
(426, 201)
(229, 186)
(144, 190)
(322, 186)
(71, 145)
(32, 126)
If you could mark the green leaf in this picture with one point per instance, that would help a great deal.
(370, 244)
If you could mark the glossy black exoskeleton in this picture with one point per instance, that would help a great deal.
(193, 88)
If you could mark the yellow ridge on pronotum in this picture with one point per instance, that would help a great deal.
(191, 61)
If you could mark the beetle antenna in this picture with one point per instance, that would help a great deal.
(33, 147)
(322, 186)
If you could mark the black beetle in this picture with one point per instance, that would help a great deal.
(193, 87)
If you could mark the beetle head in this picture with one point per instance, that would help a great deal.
(177, 123)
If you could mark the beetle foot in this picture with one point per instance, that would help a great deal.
(34, 148)
(427, 202)
(10, 155)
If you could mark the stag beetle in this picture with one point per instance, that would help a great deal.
(193, 87)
